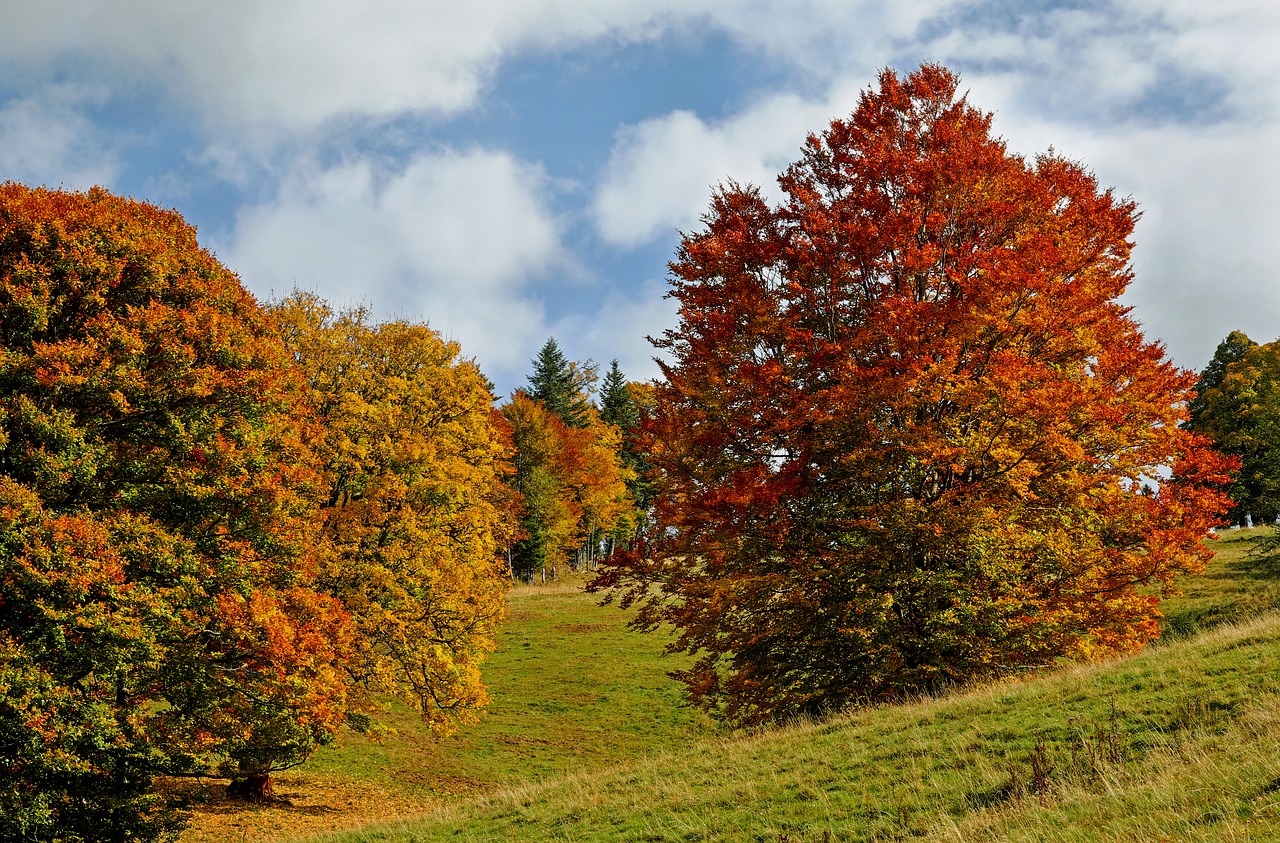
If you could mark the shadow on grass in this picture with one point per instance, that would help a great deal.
(1241, 583)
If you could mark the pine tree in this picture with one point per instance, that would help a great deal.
(557, 383)
(617, 407)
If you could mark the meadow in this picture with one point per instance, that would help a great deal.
(586, 739)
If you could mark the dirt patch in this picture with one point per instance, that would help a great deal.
(302, 805)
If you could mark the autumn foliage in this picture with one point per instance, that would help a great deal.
(216, 547)
(572, 483)
(907, 436)
(159, 609)
(413, 507)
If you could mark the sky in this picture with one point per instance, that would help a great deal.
(510, 170)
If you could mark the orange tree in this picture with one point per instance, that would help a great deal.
(414, 508)
(159, 608)
(907, 436)
(572, 484)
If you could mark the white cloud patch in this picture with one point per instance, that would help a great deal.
(661, 172)
(1210, 202)
(1204, 245)
(46, 139)
(619, 329)
(453, 239)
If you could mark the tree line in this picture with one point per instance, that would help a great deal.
(228, 531)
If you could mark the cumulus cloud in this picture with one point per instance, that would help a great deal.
(453, 238)
(45, 138)
(661, 171)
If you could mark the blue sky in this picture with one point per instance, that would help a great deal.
(507, 170)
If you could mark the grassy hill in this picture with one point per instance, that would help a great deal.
(586, 741)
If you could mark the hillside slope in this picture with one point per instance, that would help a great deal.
(1179, 743)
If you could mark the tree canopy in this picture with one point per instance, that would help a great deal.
(413, 506)
(223, 531)
(1237, 405)
(159, 610)
(907, 436)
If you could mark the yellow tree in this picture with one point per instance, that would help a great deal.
(599, 479)
(414, 508)
(572, 481)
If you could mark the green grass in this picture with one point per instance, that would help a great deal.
(1181, 743)
(1238, 585)
(573, 689)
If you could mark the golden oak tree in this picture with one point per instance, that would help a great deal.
(414, 510)
(159, 605)
(907, 436)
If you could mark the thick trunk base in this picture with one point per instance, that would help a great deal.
(251, 788)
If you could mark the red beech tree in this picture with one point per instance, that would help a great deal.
(907, 436)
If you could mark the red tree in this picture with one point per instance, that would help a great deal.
(907, 435)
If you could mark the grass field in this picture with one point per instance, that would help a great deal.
(573, 691)
(586, 740)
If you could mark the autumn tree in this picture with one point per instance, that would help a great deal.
(573, 485)
(907, 436)
(159, 608)
(1237, 405)
(413, 512)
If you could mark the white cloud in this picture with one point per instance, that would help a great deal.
(292, 65)
(1204, 252)
(619, 328)
(46, 139)
(661, 172)
(453, 239)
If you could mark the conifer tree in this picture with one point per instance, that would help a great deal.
(617, 407)
(558, 384)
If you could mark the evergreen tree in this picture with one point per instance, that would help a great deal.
(557, 383)
(617, 407)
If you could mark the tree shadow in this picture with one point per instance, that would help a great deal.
(1242, 583)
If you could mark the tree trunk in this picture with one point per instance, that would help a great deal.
(255, 788)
